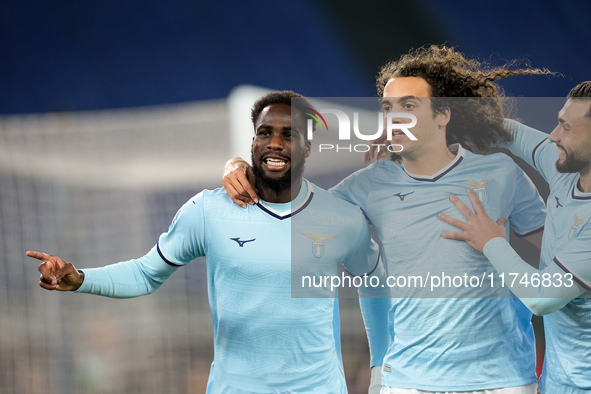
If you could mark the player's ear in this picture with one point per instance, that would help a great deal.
(308, 147)
(443, 117)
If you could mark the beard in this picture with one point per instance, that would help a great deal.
(277, 184)
(573, 163)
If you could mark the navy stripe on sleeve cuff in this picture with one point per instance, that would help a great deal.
(165, 259)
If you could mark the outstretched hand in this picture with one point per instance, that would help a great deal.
(56, 274)
(239, 182)
(479, 229)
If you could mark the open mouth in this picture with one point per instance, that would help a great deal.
(275, 163)
(397, 133)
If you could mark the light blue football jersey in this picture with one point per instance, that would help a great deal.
(265, 340)
(453, 341)
(567, 243)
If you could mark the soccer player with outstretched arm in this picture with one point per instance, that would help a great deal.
(265, 340)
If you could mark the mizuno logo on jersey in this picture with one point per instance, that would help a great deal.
(479, 188)
(574, 228)
(318, 245)
(558, 204)
(241, 243)
(401, 196)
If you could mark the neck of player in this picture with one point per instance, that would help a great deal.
(428, 162)
(585, 181)
(283, 196)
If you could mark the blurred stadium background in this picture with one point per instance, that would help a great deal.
(113, 114)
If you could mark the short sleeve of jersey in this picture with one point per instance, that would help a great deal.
(529, 211)
(364, 255)
(575, 258)
(185, 239)
(355, 188)
(534, 147)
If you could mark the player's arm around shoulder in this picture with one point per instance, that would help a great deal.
(532, 146)
(525, 140)
(356, 187)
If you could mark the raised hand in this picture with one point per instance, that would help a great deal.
(56, 274)
(239, 182)
(479, 229)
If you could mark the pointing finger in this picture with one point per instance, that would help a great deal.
(54, 261)
(37, 255)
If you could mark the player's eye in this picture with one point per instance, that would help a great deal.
(409, 105)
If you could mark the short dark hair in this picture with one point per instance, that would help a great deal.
(282, 97)
(581, 92)
(449, 75)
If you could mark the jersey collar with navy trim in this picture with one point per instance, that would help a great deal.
(454, 163)
(294, 210)
(576, 194)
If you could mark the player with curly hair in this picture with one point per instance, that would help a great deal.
(450, 76)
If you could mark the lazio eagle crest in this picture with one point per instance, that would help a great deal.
(479, 188)
(573, 229)
(318, 245)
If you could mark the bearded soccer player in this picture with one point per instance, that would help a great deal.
(560, 289)
(264, 340)
(469, 343)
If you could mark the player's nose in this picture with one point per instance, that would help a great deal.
(555, 134)
(275, 142)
